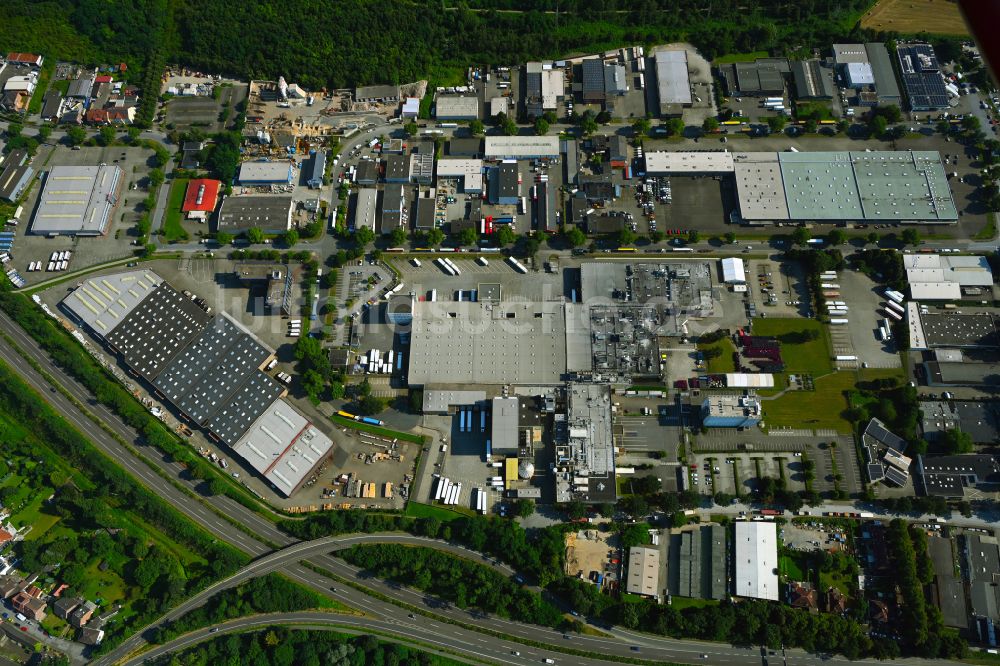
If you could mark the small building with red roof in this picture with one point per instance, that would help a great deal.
(200, 199)
(25, 59)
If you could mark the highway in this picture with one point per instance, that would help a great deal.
(426, 629)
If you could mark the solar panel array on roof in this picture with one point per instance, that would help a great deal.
(875, 473)
(155, 330)
(921, 76)
(201, 377)
(895, 476)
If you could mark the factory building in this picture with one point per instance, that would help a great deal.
(921, 76)
(456, 107)
(381, 94)
(200, 198)
(504, 188)
(765, 77)
(266, 173)
(365, 208)
(317, 170)
(812, 80)
(935, 277)
(756, 560)
(643, 571)
(15, 174)
(521, 147)
(545, 85)
(397, 169)
(78, 201)
(207, 366)
(393, 208)
(593, 80)
(673, 81)
(422, 168)
(272, 214)
(504, 423)
(730, 411)
(468, 171)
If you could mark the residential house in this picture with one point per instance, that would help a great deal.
(90, 636)
(64, 607)
(803, 595)
(111, 116)
(878, 611)
(82, 614)
(10, 585)
(835, 601)
(29, 605)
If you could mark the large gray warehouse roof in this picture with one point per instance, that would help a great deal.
(102, 303)
(239, 411)
(271, 213)
(77, 200)
(484, 343)
(201, 377)
(672, 77)
(156, 329)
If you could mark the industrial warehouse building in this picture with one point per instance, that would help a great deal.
(545, 85)
(868, 67)
(365, 208)
(673, 82)
(877, 186)
(521, 147)
(207, 366)
(469, 171)
(15, 174)
(456, 107)
(272, 214)
(487, 343)
(201, 198)
(78, 200)
(757, 560)
(921, 76)
(935, 277)
(266, 173)
(643, 571)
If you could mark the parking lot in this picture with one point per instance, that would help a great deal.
(87, 251)
(204, 113)
(860, 336)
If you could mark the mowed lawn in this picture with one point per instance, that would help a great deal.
(940, 17)
(173, 230)
(822, 408)
(724, 362)
(812, 357)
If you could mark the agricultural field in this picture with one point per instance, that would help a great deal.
(940, 17)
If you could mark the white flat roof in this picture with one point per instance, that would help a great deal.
(103, 302)
(757, 560)
(662, 161)
(935, 291)
(283, 446)
(760, 189)
(471, 171)
(733, 270)
(521, 147)
(77, 200)
(672, 77)
(265, 172)
(643, 571)
(917, 338)
(456, 106)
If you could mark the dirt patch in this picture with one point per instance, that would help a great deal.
(586, 551)
(940, 17)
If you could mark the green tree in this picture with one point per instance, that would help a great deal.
(44, 132)
(14, 130)
(398, 236)
(411, 129)
(468, 236)
(776, 123)
(873, 237)
(675, 127)
(504, 235)
(801, 236)
(149, 250)
(76, 135)
(541, 126)
(476, 127)
(222, 238)
(156, 177)
(843, 126)
(656, 236)
(810, 126)
(434, 237)
(524, 507)
(730, 237)
(576, 510)
(641, 127)
(878, 125)
(836, 237)
(710, 125)
(575, 237)
(312, 383)
(910, 236)
(588, 124)
(290, 237)
(956, 441)
(106, 135)
(693, 236)
(625, 237)
(363, 236)
(255, 235)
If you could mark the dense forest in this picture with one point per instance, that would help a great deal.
(349, 42)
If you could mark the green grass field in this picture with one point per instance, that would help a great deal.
(724, 362)
(790, 568)
(416, 510)
(822, 408)
(812, 357)
(173, 230)
(378, 430)
(740, 57)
